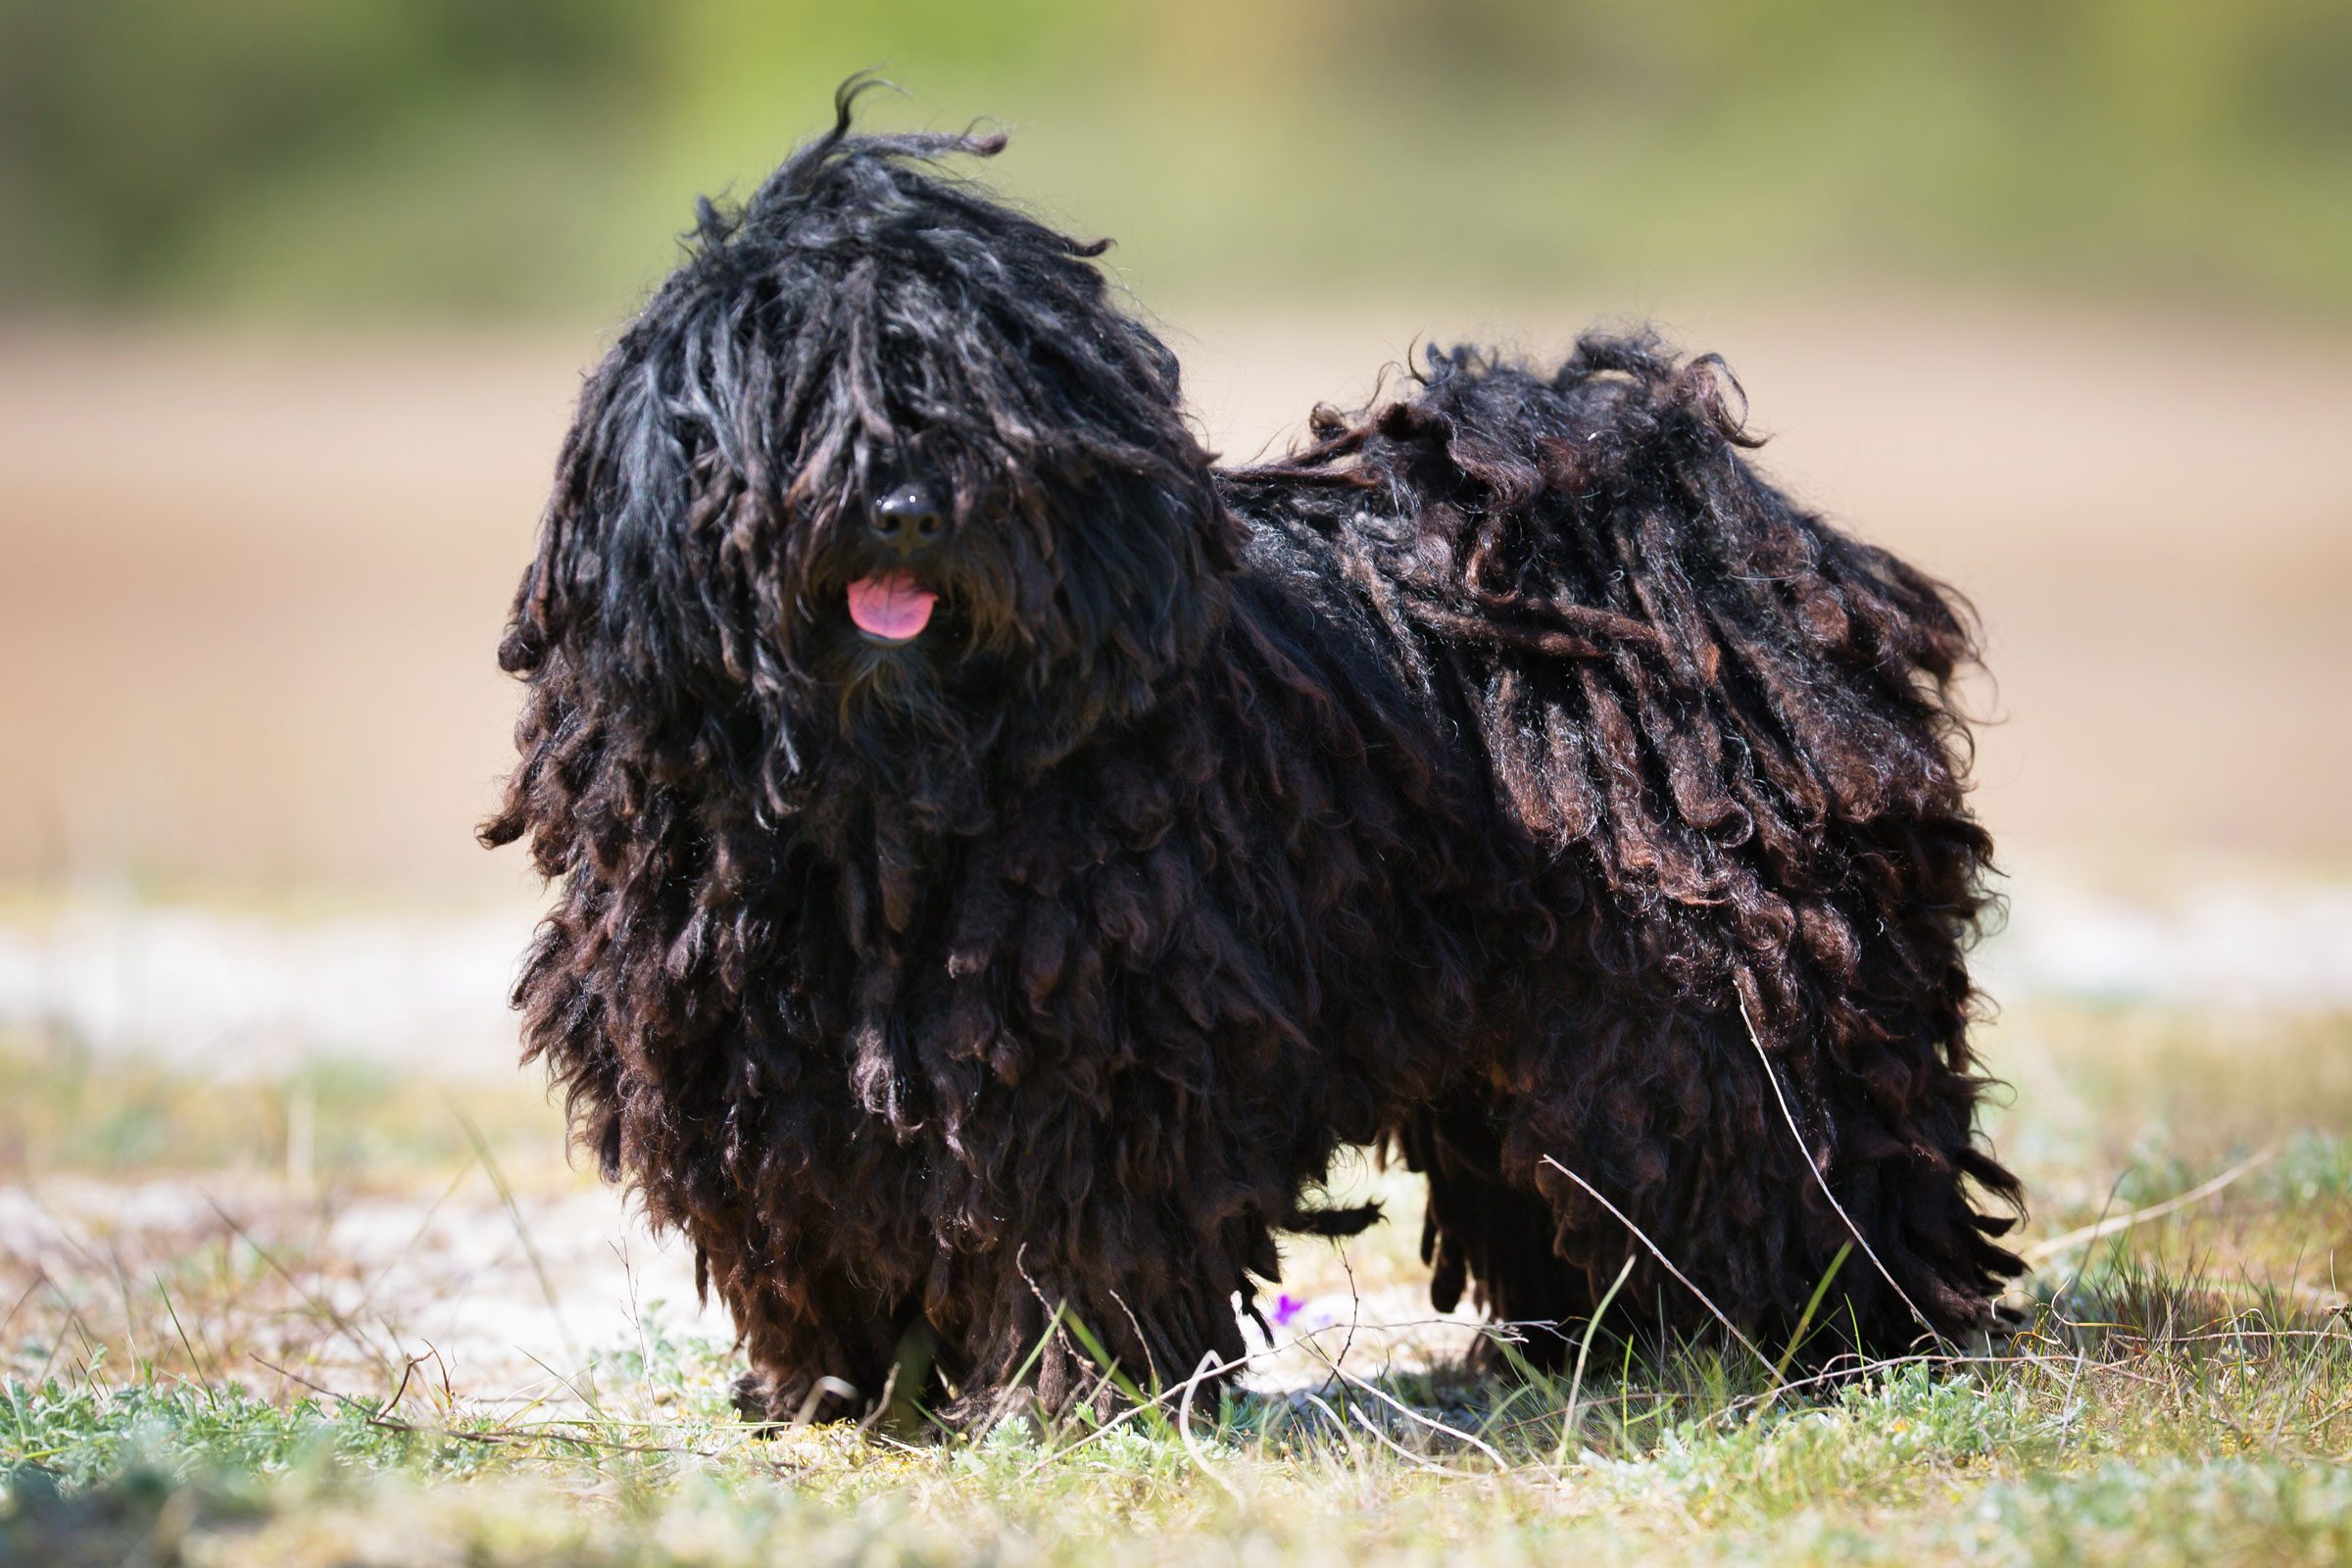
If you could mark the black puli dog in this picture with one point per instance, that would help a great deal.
(1004, 857)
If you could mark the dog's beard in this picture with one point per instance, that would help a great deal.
(911, 768)
(917, 705)
(920, 737)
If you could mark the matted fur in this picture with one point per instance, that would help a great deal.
(1455, 785)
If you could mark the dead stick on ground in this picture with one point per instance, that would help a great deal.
(522, 1232)
(317, 1307)
(1771, 1075)
(1303, 1341)
(1639, 1234)
(1355, 1455)
(1423, 1462)
(1134, 1411)
(2040, 1252)
(1191, 1444)
(1406, 1411)
(8, 1321)
(496, 1437)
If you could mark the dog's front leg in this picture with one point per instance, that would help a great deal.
(821, 1347)
(1106, 1274)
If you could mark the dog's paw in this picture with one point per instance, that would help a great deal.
(753, 1401)
(765, 1400)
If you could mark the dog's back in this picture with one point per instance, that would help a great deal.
(1724, 735)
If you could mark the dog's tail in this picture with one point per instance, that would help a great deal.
(1731, 730)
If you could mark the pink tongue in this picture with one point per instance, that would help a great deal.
(892, 604)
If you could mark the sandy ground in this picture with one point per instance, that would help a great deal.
(339, 1290)
(335, 1286)
(252, 586)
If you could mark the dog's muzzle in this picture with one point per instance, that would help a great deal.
(892, 607)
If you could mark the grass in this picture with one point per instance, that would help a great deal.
(2182, 1390)
(354, 159)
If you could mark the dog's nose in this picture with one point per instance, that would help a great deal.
(907, 519)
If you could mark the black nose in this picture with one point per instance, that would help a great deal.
(907, 519)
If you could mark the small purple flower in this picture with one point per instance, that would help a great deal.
(1287, 1307)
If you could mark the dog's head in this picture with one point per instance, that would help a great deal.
(880, 473)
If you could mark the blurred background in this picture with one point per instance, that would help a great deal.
(2052, 297)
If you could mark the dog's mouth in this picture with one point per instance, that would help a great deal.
(891, 608)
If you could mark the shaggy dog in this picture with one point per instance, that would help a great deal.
(1004, 857)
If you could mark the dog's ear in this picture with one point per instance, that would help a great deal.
(620, 467)
(634, 620)
(1140, 590)
(596, 492)
(642, 558)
